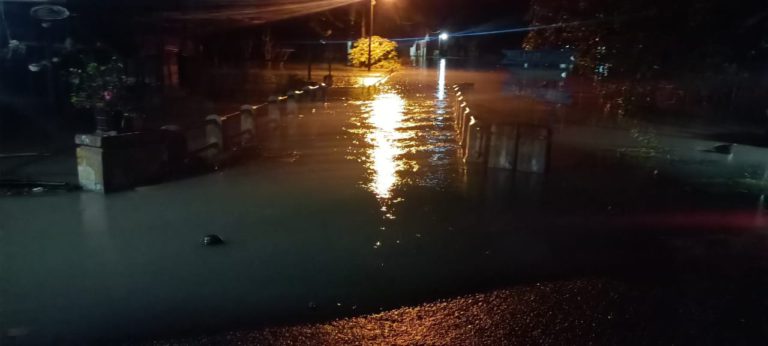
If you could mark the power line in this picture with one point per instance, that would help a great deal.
(465, 33)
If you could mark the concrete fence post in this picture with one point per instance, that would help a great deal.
(462, 114)
(458, 109)
(310, 94)
(533, 149)
(247, 127)
(214, 136)
(301, 95)
(291, 106)
(457, 102)
(476, 143)
(503, 146)
(466, 119)
(273, 108)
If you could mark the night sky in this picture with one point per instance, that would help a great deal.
(454, 15)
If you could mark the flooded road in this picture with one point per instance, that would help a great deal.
(358, 206)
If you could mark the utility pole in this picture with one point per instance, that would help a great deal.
(370, 36)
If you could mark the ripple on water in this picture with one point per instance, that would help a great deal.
(402, 142)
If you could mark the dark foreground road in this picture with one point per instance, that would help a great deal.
(582, 312)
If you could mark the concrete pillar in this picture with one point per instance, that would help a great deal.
(301, 95)
(503, 146)
(291, 106)
(466, 119)
(533, 149)
(214, 136)
(264, 126)
(458, 109)
(247, 125)
(457, 102)
(477, 143)
(114, 163)
(273, 108)
(309, 93)
(462, 115)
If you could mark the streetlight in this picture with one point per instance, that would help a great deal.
(370, 36)
(443, 37)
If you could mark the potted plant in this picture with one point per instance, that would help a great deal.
(102, 88)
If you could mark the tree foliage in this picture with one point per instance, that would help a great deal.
(648, 38)
(383, 53)
(629, 45)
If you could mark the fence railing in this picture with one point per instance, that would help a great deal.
(508, 145)
(217, 135)
(227, 133)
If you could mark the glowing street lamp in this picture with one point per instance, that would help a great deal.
(443, 37)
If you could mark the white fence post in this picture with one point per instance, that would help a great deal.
(273, 108)
(247, 129)
(476, 143)
(214, 137)
(291, 107)
(503, 146)
(466, 118)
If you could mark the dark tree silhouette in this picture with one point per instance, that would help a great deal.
(715, 46)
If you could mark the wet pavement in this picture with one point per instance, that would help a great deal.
(575, 312)
(360, 205)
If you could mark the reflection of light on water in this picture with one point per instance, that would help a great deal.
(401, 143)
(371, 80)
(441, 81)
(386, 118)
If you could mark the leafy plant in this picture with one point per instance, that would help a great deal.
(100, 86)
(383, 53)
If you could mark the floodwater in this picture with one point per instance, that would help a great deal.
(356, 206)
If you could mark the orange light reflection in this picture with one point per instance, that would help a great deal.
(386, 118)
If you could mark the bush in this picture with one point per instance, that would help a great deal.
(383, 53)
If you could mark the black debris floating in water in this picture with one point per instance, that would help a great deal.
(212, 240)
